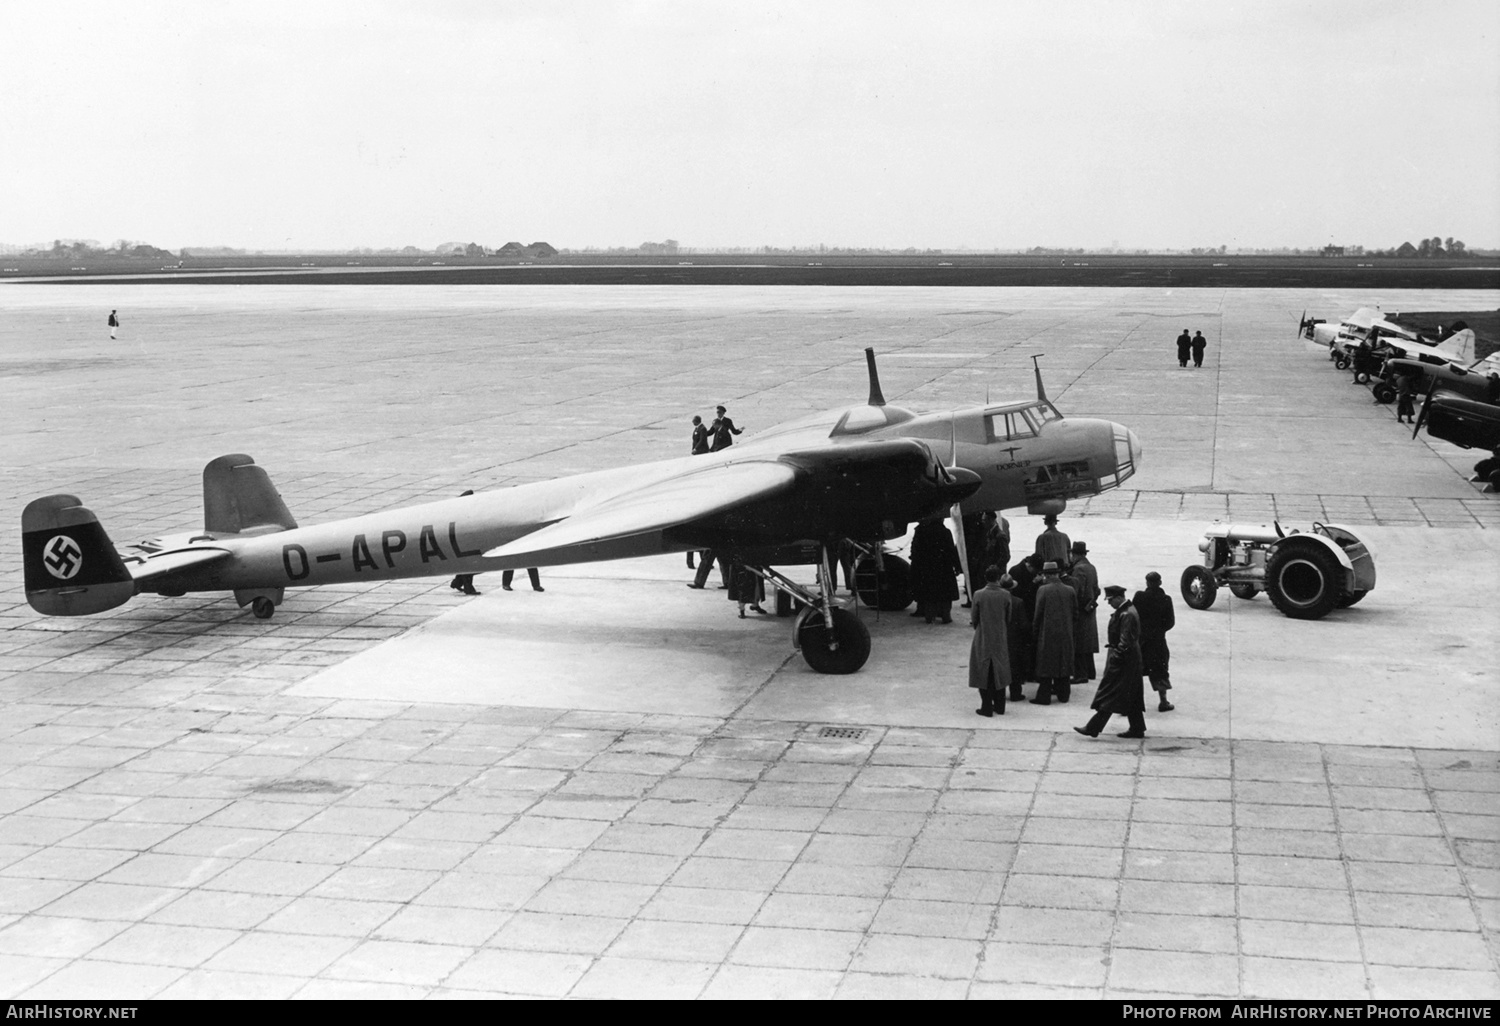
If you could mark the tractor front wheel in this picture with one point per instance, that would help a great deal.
(1199, 588)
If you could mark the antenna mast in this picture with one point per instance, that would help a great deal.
(877, 398)
(1041, 392)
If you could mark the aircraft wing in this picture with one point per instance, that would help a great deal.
(656, 506)
(1416, 350)
(152, 568)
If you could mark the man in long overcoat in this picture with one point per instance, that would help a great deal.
(1020, 640)
(1184, 347)
(1024, 584)
(974, 560)
(992, 618)
(934, 571)
(1086, 629)
(1199, 344)
(1052, 544)
(1154, 607)
(1052, 627)
(1121, 689)
(996, 540)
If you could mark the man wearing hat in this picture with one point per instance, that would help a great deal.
(990, 665)
(1052, 628)
(1154, 606)
(1121, 689)
(1051, 543)
(1086, 629)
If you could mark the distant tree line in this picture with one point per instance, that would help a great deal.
(78, 249)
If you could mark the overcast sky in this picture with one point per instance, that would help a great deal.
(863, 123)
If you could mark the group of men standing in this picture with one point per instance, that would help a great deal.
(1193, 345)
(713, 437)
(1038, 623)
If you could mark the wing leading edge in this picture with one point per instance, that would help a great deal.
(649, 510)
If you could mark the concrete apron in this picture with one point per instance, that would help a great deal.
(1409, 666)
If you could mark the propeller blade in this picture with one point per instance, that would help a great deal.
(1302, 324)
(1422, 417)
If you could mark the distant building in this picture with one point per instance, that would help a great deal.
(1406, 249)
(1333, 251)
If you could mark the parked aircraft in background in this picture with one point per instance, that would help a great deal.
(1368, 325)
(861, 473)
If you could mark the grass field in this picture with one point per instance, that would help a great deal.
(926, 269)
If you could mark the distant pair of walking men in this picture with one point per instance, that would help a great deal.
(1193, 344)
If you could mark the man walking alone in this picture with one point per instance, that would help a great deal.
(1121, 689)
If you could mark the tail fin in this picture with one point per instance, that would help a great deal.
(1460, 344)
(72, 568)
(239, 498)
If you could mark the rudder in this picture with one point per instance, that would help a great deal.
(71, 566)
(239, 498)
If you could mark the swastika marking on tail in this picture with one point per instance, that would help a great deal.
(62, 557)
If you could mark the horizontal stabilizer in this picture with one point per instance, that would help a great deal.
(655, 507)
(153, 569)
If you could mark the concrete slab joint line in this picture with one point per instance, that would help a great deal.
(612, 790)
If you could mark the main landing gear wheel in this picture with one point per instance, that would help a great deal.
(1342, 362)
(841, 650)
(1361, 377)
(1243, 591)
(1303, 581)
(1384, 393)
(1199, 589)
(888, 590)
(262, 608)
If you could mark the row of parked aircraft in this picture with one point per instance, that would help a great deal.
(1461, 393)
(792, 494)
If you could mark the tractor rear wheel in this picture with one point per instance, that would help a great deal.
(1199, 588)
(1304, 581)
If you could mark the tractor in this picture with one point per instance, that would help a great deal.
(1307, 576)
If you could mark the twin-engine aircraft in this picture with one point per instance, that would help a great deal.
(860, 473)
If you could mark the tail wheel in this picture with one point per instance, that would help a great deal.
(843, 649)
(1303, 581)
(1349, 598)
(1243, 591)
(1384, 393)
(888, 590)
(263, 608)
(1199, 588)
